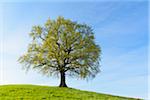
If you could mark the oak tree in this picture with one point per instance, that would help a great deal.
(63, 47)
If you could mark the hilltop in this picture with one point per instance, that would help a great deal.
(36, 92)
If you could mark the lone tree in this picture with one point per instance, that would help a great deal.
(62, 47)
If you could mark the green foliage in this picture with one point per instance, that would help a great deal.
(32, 92)
(63, 45)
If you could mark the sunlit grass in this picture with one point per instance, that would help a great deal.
(35, 92)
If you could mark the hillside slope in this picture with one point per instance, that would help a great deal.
(35, 92)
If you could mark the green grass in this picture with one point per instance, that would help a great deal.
(35, 92)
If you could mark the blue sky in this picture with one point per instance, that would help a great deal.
(121, 29)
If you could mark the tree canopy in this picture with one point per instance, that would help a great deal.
(63, 47)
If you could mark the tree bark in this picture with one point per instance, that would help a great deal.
(63, 79)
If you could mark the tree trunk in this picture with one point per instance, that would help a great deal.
(63, 79)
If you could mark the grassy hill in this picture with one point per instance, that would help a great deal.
(35, 92)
